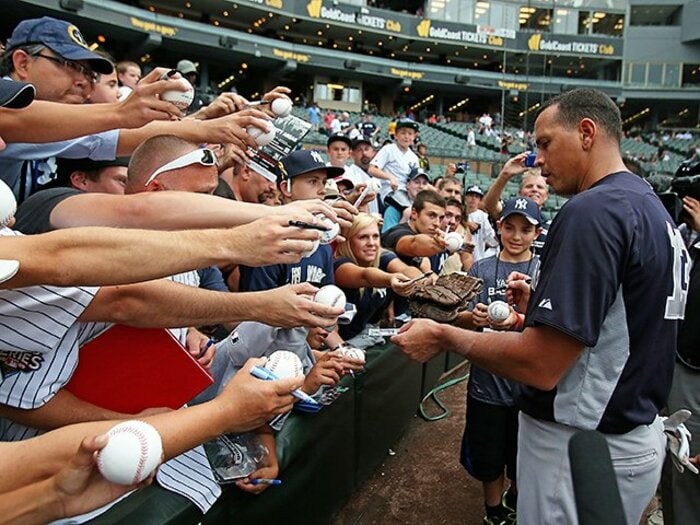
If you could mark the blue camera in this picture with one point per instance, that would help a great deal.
(530, 160)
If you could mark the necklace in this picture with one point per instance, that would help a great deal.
(502, 291)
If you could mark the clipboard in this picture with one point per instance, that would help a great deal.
(128, 370)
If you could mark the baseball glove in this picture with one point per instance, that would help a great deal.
(443, 300)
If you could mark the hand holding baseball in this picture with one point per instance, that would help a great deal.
(292, 305)
(144, 105)
(249, 403)
(480, 315)
(326, 371)
(80, 488)
(283, 244)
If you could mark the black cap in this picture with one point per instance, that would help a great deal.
(474, 189)
(15, 95)
(304, 161)
(339, 137)
(358, 141)
(418, 172)
(61, 37)
(67, 166)
(407, 123)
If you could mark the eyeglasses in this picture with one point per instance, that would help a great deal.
(203, 156)
(88, 73)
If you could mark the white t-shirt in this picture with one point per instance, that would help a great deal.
(396, 162)
(485, 241)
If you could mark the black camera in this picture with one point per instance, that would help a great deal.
(462, 167)
(685, 183)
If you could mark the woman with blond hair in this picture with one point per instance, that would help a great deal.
(369, 275)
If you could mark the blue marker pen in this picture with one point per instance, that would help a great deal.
(264, 373)
(206, 347)
(265, 481)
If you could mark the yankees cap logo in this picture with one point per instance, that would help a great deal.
(317, 156)
(521, 204)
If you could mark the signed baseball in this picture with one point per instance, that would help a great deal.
(352, 353)
(132, 454)
(263, 138)
(8, 204)
(329, 236)
(281, 107)
(181, 99)
(330, 295)
(499, 311)
(284, 364)
(453, 241)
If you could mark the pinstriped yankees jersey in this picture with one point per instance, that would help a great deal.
(39, 345)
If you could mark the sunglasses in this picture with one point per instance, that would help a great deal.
(86, 72)
(204, 156)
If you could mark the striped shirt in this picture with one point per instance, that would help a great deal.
(39, 347)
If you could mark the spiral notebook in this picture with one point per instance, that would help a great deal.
(130, 369)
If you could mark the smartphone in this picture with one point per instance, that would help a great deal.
(530, 160)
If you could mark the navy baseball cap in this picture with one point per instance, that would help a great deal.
(407, 123)
(61, 37)
(339, 137)
(302, 162)
(361, 140)
(474, 189)
(15, 95)
(418, 172)
(522, 206)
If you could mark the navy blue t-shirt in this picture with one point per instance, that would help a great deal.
(371, 302)
(316, 269)
(613, 275)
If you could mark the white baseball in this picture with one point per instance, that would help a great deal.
(454, 241)
(499, 311)
(329, 236)
(282, 107)
(263, 138)
(8, 204)
(331, 295)
(352, 353)
(181, 99)
(284, 364)
(8, 269)
(133, 452)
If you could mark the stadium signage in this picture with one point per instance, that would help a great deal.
(426, 29)
(289, 55)
(365, 18)
(152, 27)
(519, 86)
(277, 4)
(537, 43)
(405, 73)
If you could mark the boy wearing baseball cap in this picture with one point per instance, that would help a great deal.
(489, 444)
(394, 161)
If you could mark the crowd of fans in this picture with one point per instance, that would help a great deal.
(97, 162)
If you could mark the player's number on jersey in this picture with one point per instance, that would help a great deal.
(675, 303)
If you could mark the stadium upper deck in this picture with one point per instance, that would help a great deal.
(469, 55)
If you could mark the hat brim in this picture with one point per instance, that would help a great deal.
(339, 139)
(357, 142)
(527, 216)
(412, 126)
(77, 53)
(474, 193)
(15, 95)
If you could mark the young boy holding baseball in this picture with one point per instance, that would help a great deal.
(489, 445)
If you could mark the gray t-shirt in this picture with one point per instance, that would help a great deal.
(485, 386)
